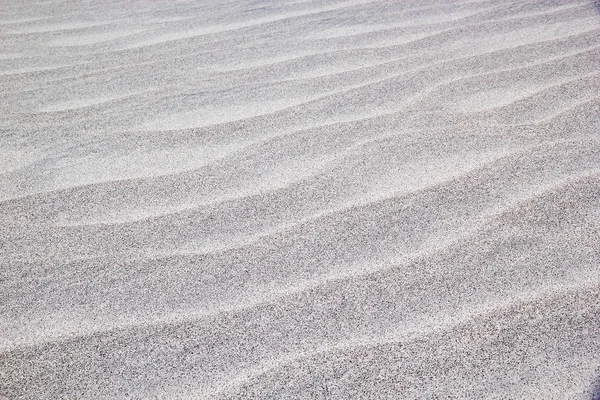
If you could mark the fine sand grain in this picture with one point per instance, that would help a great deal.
(318, 199)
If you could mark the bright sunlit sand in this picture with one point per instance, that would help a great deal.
(320, 199)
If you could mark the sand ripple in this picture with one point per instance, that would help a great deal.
(300, 199)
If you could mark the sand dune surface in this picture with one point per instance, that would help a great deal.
(320, 199)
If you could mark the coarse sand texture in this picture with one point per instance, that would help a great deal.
(300, 199)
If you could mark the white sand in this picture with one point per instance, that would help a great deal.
(321, 199)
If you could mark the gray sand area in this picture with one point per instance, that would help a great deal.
(314, 199)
